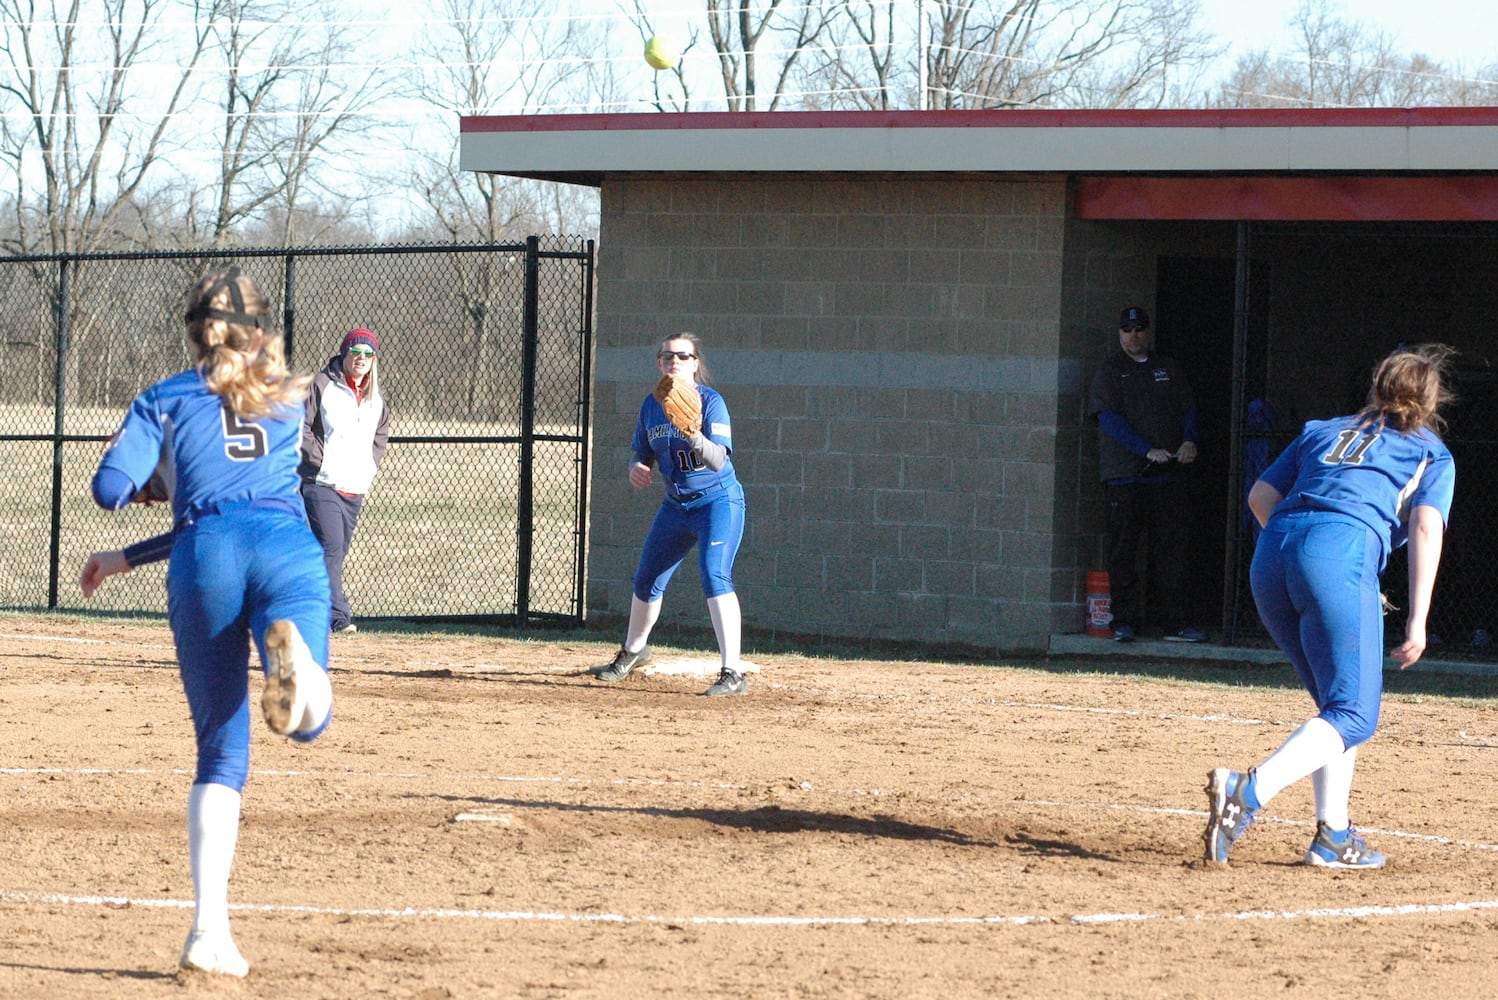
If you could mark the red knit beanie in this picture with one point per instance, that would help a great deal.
(359, 335)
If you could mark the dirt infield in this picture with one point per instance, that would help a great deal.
(483, 819)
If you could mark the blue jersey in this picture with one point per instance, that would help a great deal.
(207, 455)
(1372, 473)
(657, 442)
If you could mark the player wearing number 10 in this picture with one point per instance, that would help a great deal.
(704, 505)
(1333, 505)
(225, 437)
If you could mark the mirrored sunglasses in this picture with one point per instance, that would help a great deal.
(361, 351)
(678, 355)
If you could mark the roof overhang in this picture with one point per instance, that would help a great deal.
(1121, 151)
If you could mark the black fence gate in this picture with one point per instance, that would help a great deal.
(480, 508)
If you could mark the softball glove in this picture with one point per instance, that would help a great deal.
(682, 402)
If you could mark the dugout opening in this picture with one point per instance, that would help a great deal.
(1288, 330)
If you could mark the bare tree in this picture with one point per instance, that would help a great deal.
(281, 104)
(873, 54)
(471, 62)
(74, 118)
(1062, 53)
(1158, 60)
(856, 67)
(739, 27)
(1344, 63)
(470, 70)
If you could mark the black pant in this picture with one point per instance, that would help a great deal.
(1161, 510)
(333, 517)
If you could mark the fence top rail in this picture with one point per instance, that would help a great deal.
(228, 253)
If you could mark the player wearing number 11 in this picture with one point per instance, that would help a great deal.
(1334, 504)
(704, 505)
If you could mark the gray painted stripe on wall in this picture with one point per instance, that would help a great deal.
(861, 370)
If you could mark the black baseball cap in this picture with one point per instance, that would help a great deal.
(1134, 316)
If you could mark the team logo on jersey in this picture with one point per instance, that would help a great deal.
(1162, 374)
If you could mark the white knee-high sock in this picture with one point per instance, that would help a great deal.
(212, 833)
(315, 687)
(728, 625)
(1333, 787)
(642, 618)
(1310, 748)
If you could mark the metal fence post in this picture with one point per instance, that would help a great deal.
(288, 310)
(1232, 582)
(525, 511)
(59, 389)
(584, 408)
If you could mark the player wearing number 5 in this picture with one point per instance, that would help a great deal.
(244, 567)
(704, 505)
(1342, 496)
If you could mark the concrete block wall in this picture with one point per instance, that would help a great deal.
(890, 352)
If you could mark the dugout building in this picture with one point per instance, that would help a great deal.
(903, 310)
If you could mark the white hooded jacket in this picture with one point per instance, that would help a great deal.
(343, 438)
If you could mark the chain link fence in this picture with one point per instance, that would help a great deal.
(479, 510)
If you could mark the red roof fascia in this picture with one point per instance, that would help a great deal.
(1364, 198)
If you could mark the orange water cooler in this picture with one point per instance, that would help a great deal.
(1099, 604)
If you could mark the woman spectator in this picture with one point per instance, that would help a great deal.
(344, 437)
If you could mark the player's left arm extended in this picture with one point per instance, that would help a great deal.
(1427, 532)
(100, 566)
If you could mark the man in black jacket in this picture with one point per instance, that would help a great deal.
(1147, 436)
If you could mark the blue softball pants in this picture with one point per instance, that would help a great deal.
(714, 522)
(1315, 578)
(231, 574)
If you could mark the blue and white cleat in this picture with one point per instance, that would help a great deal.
(1352, 851)
(1228, 815)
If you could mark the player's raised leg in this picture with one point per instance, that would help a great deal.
(298, 697)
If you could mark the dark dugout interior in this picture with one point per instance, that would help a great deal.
(1321, 304)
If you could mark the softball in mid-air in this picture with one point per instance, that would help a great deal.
(661, 52)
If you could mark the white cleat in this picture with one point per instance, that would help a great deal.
(286, 653)
(213, 952)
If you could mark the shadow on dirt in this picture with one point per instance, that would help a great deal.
(762, 819)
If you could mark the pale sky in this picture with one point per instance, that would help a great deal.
(1448, 31)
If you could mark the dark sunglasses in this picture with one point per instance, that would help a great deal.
(1133, 329)
(678, 355)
